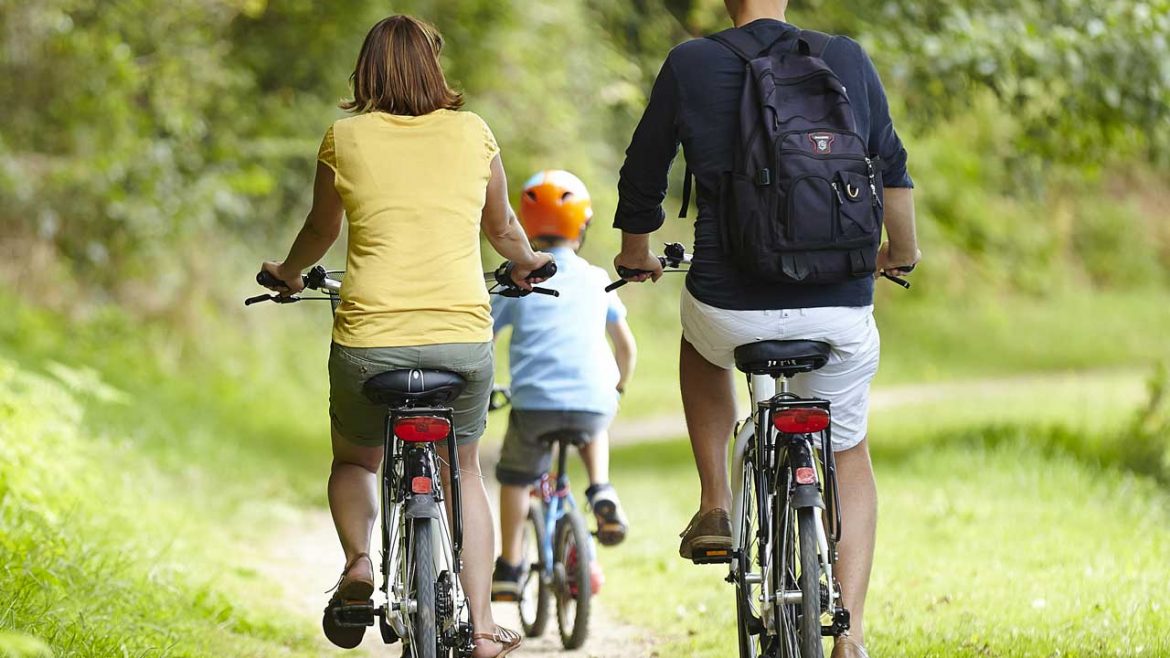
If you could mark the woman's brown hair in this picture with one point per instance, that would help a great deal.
(398, 71)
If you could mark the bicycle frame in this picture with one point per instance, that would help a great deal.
(558, 503)
(757, 435)
(412, 489)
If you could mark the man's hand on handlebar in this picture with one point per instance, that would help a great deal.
(293, 283)
(895, 263)
(638, 266)
(522, 272)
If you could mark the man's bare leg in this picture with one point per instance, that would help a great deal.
(858, 531)
(708, 396)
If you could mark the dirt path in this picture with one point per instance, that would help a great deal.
(304, 559)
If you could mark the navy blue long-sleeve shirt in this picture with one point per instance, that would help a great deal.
(695, 102)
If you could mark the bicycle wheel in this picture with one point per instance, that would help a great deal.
(809, 627)
(421, 580)
(746, 596)
(535, 592)
(573, 557)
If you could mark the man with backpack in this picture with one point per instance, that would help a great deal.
(795, 161)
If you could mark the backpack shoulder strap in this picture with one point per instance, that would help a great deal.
(742, 43)
(813, 43)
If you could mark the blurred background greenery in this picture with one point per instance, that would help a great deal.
(152, 153)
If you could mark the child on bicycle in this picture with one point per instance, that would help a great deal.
(564, 376)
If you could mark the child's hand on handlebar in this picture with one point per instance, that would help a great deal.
(522, 272)
(638, 267)
(293, 283)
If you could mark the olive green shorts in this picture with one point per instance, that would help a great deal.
(360, 421)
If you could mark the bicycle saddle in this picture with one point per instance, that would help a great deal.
(576, 438)
(776, 358)
(414, 388)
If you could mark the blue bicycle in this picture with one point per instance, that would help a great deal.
(560, 565)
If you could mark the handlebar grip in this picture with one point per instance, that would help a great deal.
(625, 272)
(264, 278)
(546, 271)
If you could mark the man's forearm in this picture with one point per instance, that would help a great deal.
(635, 243)
(899, 220)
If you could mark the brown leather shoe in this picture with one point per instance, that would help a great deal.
(845, 646)
(707, 538)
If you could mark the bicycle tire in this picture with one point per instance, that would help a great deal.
(743, 591)
(534, 624)
(573, 555)
(810, 586)
(426, 639)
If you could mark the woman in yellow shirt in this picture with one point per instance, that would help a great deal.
(417, 180)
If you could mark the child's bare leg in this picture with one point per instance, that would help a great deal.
(611, 521)
(514, 501)
(595, 454)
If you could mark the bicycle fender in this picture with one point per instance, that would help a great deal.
(422, 507)
(806, 495)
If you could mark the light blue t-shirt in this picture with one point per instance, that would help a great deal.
(559, 354)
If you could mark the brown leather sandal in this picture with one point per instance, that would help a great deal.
(355, 589)
(508, 639)
(348, 591)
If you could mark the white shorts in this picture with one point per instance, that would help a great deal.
(843, 381)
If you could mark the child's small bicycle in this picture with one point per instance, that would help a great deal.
(560, 564)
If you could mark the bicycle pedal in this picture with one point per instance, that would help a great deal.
(352, 614)
(711, 556)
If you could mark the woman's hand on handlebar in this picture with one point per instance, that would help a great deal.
(522, 272)
(292, 280)
(638, 266)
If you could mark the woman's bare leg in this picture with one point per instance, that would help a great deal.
(478, 544)
(353, 497)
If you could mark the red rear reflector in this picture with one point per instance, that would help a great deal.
(421, 485)
(422, 429)
(806, 475)
(801, 420)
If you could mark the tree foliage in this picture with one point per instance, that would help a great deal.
(134, 132)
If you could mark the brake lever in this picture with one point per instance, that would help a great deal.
(276, 299)
(898, 280)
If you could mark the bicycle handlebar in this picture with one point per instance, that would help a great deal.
(508, 288)
(676, 255)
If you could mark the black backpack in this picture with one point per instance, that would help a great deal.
(803, 202)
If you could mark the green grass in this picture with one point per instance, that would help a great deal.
(138, 461)
(992, 542)
(102, 552)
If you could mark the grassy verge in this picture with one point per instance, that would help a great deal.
(992, 543)
(134, 467)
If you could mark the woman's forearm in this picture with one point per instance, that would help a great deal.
(308, 248)
(511, 242)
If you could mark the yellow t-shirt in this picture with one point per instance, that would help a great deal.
(414, 190)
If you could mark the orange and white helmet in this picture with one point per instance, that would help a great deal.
(555, 204)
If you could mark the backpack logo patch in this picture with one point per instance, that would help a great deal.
(822, 142)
